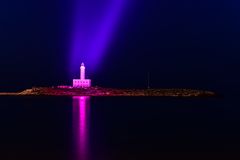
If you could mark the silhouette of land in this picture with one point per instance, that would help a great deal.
(99, 91)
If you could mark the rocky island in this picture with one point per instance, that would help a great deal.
(100, 91)
(83, 87)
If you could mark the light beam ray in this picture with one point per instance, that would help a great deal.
(93, 28)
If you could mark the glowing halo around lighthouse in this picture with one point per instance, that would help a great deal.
(82, 82)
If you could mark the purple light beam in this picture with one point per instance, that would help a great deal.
(94, 26)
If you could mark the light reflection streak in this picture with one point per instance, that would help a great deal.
(81, 126)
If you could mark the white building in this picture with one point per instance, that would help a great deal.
(82, 82)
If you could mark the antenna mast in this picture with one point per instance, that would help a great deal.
(148, 82)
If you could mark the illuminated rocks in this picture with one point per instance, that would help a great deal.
(99, 91)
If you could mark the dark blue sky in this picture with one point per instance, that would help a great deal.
(181, 43)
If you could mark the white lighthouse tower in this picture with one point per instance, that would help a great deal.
(82, 82)
(82, 71)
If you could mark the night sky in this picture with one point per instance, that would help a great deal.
(186, 44)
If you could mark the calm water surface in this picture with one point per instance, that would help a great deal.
(112, 128)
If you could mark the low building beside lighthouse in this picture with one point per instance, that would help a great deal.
(82, 82)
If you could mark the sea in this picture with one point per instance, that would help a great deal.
(118, 128)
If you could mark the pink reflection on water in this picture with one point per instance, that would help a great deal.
(80, 126)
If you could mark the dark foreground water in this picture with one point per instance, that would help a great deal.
(116, 128)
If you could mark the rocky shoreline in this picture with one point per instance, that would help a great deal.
(99, 91)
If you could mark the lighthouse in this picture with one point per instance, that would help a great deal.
(82, 82)
(82, 71)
